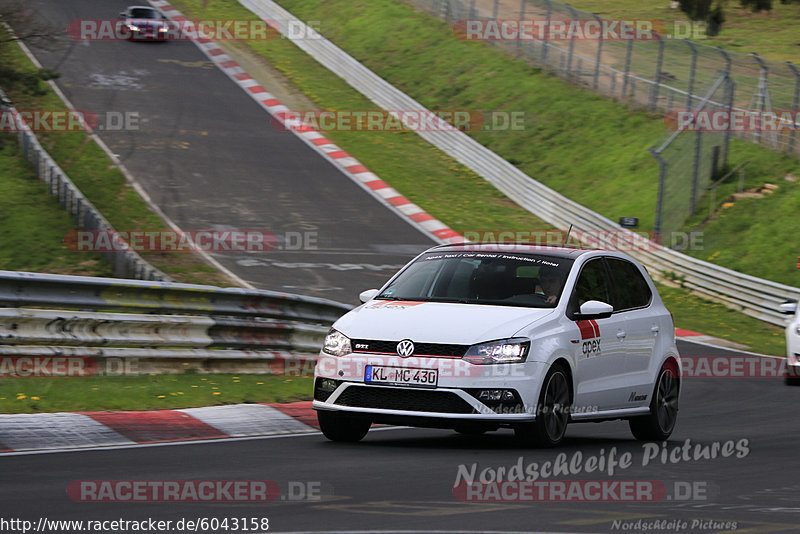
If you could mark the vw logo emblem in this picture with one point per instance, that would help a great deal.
(405, 348)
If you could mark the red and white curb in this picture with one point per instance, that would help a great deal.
(350, 166)
(81, 430)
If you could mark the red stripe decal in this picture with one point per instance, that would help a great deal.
(587, 332)
(595, 328)
(156, 426)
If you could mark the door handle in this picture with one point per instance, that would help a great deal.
(655, 329)
(621, 334)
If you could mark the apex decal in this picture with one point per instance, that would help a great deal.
(590, 334)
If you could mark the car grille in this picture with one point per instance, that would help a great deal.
(403, 399)
(420, 349)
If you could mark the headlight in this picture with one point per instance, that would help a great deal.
(501, 351)
(163, 29)
(336, 344)
(133, 27)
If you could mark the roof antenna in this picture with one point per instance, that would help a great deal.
(566, 237)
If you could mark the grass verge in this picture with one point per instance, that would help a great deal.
(772, 34)
(152, 392)
(99, 180)
(32, 225)
(627, 132)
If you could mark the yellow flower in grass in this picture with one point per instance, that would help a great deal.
(162, 396)
(217, 393)
(34, 398)
(21, 396)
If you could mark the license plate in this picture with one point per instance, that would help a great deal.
(378, 374)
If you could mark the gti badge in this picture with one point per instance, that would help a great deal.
(405, 348)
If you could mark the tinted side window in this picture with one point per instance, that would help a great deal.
(630, 288)
(592, 283)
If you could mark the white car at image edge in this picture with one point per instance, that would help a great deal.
(478, 337)
(792, 342)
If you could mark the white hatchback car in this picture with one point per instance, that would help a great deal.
(792, 343)
(480, 337)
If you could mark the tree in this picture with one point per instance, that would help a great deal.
(757, 5)
(705, 11)
(22, 24)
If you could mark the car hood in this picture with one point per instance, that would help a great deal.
(436, 322)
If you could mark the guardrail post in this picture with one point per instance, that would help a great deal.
(657, 78)
(795, 104)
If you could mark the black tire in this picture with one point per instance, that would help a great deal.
(792, 381)
(552, 412)
(342, 427)
(660, 422)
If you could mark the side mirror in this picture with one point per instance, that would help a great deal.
(594, 309)
(789, 307)
(368, 295)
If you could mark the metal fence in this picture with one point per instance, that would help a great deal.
(663, 74)
(124, 263)
(753, 296)
(162, 326)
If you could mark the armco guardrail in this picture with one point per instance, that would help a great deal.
(124, 263)
(753, 296)
(155, 321)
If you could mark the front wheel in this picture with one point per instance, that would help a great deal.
(342, 427)
(659, 423)
(552, 413)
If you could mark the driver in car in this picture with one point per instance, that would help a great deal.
(549, 284)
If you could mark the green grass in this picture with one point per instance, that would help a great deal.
(710, 318)
(586, 147)
(32, 225)
(770, 34)
(52, 394)
(590, 149)
(97, 178)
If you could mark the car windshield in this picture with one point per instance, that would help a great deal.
(476, 277)
(144, 13)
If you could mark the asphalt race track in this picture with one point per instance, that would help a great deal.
(402, 479)
(209, 157)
